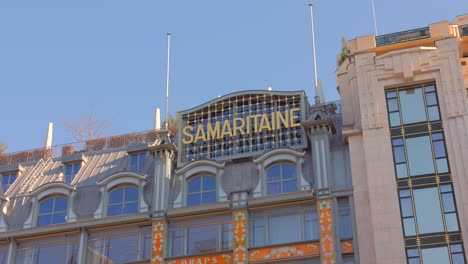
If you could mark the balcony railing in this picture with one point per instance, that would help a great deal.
(85, 146)
(403, 36)
(463, 29)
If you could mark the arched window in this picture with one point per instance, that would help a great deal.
(281, 178)
(201, 190)
(123, 200)
(52, 211)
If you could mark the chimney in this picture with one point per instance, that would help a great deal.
(157, 119)
(48, 142)
(68, 150)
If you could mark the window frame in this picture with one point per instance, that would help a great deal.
(202, 191)
(141, 158)
(10, 183)
(68, 178)
(124, 202)
(282, 179)
(53, 212)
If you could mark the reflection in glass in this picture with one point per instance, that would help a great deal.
(52, 211)
(437, 255)
(419, 155)
(412, 105)
(428, 210)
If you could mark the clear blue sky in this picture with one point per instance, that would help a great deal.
(65, 59)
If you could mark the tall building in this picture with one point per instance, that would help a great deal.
(405, 120)
(254, 177)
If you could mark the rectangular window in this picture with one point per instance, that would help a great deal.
(48, 251)
(345, 220)
(7, 180)
(285, 225)
(137, 162)
(200, 236)
(450, 212)
(420, 159)
(435, 255)
(120, 246)
(428, 211)
(70, 171)
(407, 213)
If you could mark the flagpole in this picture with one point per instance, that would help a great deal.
(375, 20)
(317, 97)
(167, 77)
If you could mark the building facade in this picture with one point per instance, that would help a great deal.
(404, 98)
(254, 177)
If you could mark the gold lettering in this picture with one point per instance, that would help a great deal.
(293, 117)
(255, 118)
(199, 261)
(200, 133)
(207, 260)
(226, 129)
(273, 119)
(187, 134)
(215, 260)
(213, 132)
(240, 128)
(264, 123)
(283, 119)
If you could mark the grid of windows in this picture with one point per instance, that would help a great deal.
(122, 201)
(427, 203)
(201, 190)
(70, 171)
(268, 227)
(137, 162)
(7, 180)
(57, 250)
(52, 211)
(281, 178)
(200, 236)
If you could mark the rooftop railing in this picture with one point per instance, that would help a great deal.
(403, 36)
(85, 146)
(463, 29)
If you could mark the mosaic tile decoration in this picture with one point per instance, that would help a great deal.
(157, 254)
(240, 236)
(327, 243)
(285, 252)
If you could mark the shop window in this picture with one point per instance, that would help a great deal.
(200, 236)
(281, 178)
(120, 246)
(283, 225)
(52, 210)
(7, 180)
(137, 162)
(201, 190)
(49, 251)
(70, 171)
(123, 200)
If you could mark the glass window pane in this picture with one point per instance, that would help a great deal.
(406, 207)
(401, 171)
(437, 255)
(439, 149)
(114, 210)
(176, 237)
(209, 183)
(289, 171)
(116, 196)
(431, 99)
(258, 232)
(414, 261)
(395, 119)
(43, 220)
(289, 186)
(399, 154)
(279, 234)
(397, 142)
(391, 94)
(59, 218)
(449, 204)
(53, 254)
(194, 185)
(408, 225)
(312, 227)
(345, 220)
(123, 249)
(429, 88)
(405, 193)
(202, 239)
(131, 194)
(208, 197)
(412, 106)
(194, 199)
(419, 155)
(452, 222)
(458, 259)
(412, 252)
(456, 248)
(273, 173)
(227, 236)
(442, 166)
(61, 204)
(446, 188)
(428, 210)
(433, 112)
(46, 206)
(392, 105)
(274, 188)
(130, 208)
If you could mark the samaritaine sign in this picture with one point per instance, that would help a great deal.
(242, 124)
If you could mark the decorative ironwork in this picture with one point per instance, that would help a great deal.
(403, 36)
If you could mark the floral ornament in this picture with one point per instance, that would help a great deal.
(240, 234)
(158, 242)
(277, 253)
(327, 243)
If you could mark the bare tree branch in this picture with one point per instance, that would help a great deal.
(87, 128)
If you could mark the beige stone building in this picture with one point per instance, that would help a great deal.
(405, 119)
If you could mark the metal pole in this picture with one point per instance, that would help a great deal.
(375, 20)
(317, 98)
(167, 77)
